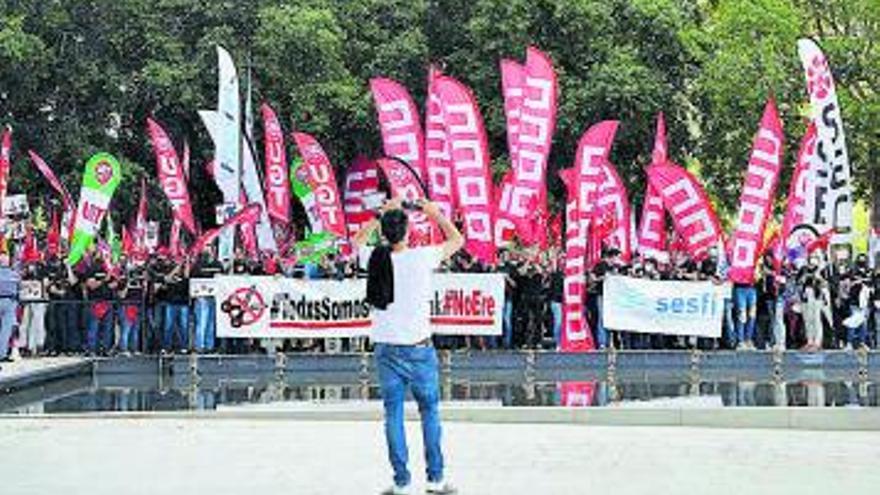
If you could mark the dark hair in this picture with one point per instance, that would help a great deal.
(394, 225)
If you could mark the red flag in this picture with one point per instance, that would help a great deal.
(438, 161)
(505, 229)
(30, 253)
(652, 230)
(399, 122)
(756, 200)
(593, 174)
(404, 184)
(612, 204)
(796, 206)
(576, 335)
(692, 213)
(174, 239)
(140, 222)
(53, 236)
(470, 157)
(323, 182)
(50, 176)
(277, 182)
(250, 213)
(660, 155)
(820, 243)
(127, 242)
(535, 136)
(248, 230)
(171, 175)
(361, 181)
(5, 151)
(513, 76)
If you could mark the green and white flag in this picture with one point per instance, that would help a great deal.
(299, 183)
(314, 247)
(100, 179)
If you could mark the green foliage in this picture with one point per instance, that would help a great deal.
(77, 77)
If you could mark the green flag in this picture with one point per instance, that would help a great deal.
(100, 179)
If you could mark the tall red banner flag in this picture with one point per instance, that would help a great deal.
(652, 229)
(399, 123)
(361, 181)
(56, 184)
(513, 78)
(756, 200)
(323, 181)
(404, 184)
(796, 207)
(5, 152)
(532, 103)
(576, 335)
(171, 175)
(277, 181)
(612, 204)
(470, 158)
(582, 184)
(438, 162)
(696, 224)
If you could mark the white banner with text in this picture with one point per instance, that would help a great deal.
(664, 307)
(269, 307)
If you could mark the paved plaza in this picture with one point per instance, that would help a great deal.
(271, 456)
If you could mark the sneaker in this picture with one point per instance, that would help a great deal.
(440, 488)
(397, 490)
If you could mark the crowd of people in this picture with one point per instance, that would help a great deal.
(144, 306)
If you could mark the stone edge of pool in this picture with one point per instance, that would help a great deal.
(831, 419)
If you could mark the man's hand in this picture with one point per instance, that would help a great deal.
(431, 209)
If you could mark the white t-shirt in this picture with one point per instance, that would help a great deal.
(406, 321)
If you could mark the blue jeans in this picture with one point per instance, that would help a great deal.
(508, 324)
(129, 329)
(859, 335)
(176, 321)
(728, 325)
(205, 310)
(556, 309)
(876, 328)
(8, 320)
(601, 333)
(414, 368)
(746, 309)
(94, 325)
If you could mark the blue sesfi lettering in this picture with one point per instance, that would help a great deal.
(704, 304)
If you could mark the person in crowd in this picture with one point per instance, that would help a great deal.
(100, 286)
(65, 300)
(857, 323)
(176, 321)
(813, 309)
(772, 333)
(507, 266)
(875, 305)
(595, 290)
(399, 283)
(132, 294)
(33, 325)
(10, 281)
(205, 307)
(746, 305)
(556, 289)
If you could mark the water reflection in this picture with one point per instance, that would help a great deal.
(135, 394)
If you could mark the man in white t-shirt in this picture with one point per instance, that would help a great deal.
(399, 288)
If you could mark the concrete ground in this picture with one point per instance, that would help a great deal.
(257, 457)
